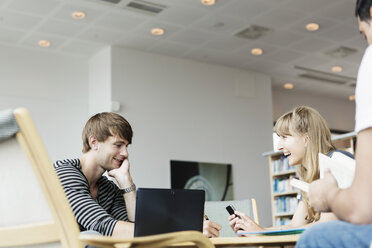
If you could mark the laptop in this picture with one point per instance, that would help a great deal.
(168, 210)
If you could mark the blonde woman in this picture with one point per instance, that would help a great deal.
(303, 134)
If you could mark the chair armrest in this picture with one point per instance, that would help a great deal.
(151, 241)
(28, 234)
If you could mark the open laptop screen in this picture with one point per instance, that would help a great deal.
(168, 210)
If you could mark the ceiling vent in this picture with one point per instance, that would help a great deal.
(107, 2)
(340, 52)
(324, 76)
(253, 32)
(145, 7)
(112, 1)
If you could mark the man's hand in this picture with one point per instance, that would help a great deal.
(241, 221)
(211, 229)
(122, 175)
(124, 179)
(322, 191)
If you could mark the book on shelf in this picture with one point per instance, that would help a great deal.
(282, 185)
(341, 166)
(285, 205)
(280, 165)
(280, 221)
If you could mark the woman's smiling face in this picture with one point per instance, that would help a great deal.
(293, 147)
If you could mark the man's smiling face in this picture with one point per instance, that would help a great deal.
(112, 152)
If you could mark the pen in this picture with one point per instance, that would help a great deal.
(206, 217)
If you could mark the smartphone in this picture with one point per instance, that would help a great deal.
(230, 209)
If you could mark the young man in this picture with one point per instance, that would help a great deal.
(98, 204)
(352, 205)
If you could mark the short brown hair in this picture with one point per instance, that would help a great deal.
(103, 125)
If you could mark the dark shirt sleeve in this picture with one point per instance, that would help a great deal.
(119, 209)
(88, 213)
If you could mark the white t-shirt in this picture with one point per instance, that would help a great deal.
(363, 93)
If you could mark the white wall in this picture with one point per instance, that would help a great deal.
(339, 113)
(186, 110)
(54, 89)
(179, 109)
(100, 81)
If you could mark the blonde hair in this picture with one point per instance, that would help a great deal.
(307, 121)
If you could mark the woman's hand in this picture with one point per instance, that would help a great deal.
(211, 229)
(241, 221)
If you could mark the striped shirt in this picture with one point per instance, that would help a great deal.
(100, 214)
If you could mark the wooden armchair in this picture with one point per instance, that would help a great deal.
(63, 228)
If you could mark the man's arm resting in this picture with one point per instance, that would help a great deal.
(123, 229)
(354, 204)
(130, 202)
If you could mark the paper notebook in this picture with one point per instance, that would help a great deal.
(304, 186)
(273, 232)
(342, 168)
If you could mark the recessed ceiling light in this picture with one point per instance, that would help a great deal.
(208, 2)
(337, 68)
(288, 86)
(78, 15)
(257, 51)
(157, 31)
(44, 43)
(352, 98)
(312, 26)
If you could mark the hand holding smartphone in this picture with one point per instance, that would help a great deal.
(231, 209)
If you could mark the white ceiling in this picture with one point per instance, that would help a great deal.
(198, 32)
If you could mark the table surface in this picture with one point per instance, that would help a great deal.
(257, 240)
(253, 240)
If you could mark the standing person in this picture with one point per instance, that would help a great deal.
(303, 134)
(98, 204)
(352, 205)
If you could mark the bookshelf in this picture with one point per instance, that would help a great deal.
(284, 198)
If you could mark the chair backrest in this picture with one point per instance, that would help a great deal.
(63, 227)
(216, 212)
(23, 202)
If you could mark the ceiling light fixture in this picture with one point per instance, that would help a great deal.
(78, 15)
(44, 43)
(208, 2)
(352, 98)
(157, 31)
(288, 86)
(312, 26)
(256, 51)
(337, 68)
